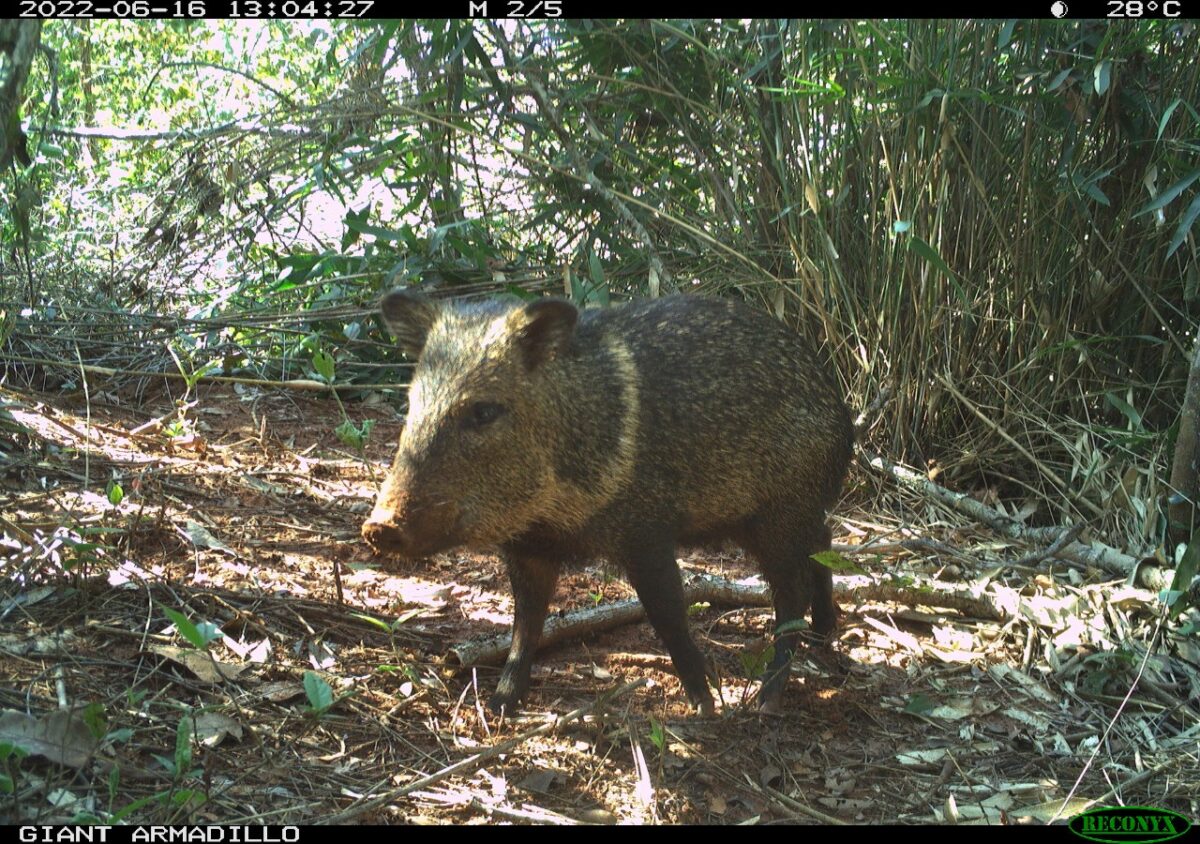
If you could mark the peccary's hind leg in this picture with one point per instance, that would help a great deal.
(784, 548)
(824, 608)
(654, 574)
(532, 580)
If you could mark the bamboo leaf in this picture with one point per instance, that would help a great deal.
(1185, 224)
(1093, 190)
(1006, 34)
(1059, 79)
(1162, 123)
(1169, 194)
(929, 254)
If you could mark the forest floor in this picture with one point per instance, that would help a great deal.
(330, 692)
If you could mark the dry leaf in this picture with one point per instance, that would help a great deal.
(61, 736)
(211, 728)
(199, 663)
(280, 690)
(200, 537)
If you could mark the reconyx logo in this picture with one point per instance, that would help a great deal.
(1139, 824)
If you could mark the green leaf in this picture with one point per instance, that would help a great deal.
(929, 254)
(1127, 410)
(122, 735)
(323, 364)
(183, 746)
(115, 493)
(53, 151)
(198, 636)
(319, 693)
(918, 704)
(8, 750)
(763, 62)
(658, 736)
(1162, 123)
(370, 619)
(929, 97)
(85, 819)
(755, 663)
(96, 720)
(836, 562)
(185, 627)
(1059, 79)
(126, 811)
(375, 231)
(1185, 573)
(1169, 194)
(352, 234)
(1006, 34)
(353, 435)
(405, 617)
(1093, 190)
(1185, 224)
(796, 625)
(188, 798)
(1101, 76)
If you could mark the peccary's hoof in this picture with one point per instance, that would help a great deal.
(706, 709)
(501, 703)
(771, 708)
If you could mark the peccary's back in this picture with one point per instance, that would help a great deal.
(735, 412)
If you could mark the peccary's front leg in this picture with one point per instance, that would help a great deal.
(654, 574)
(532, 580)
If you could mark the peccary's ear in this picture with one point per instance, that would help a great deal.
(409, 316)
(543, 329)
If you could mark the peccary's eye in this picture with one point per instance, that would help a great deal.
(483, 413)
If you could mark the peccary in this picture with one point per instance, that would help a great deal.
(556, 435)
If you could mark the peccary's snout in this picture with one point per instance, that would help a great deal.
(407, 528)
(385, 537)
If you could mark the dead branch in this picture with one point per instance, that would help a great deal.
(1088, 554)
(558, 628)
(999, 603)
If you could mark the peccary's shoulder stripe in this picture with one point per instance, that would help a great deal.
(624, 460)
(597, 460)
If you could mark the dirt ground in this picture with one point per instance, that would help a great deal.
(248, 518)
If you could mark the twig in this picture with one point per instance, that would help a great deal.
(73, 431)
(536, 815)
(1068, 536)
(482, 756)
(159, 421)
(797, 806)
(867, 418)
(294, 384)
